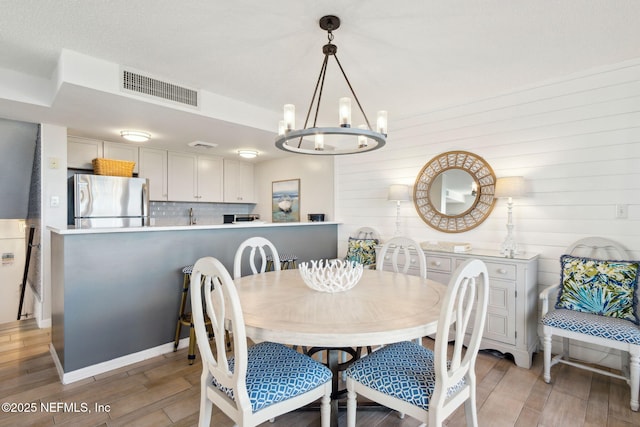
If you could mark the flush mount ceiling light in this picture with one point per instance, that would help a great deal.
(248, 154)
(135, 135)
(331, 140)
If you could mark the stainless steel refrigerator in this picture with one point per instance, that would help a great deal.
(109, 201)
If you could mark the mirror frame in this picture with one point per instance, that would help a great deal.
(481, 173)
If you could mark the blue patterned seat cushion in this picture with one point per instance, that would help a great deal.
(592, 324)
(602, 287)
(276, 373)
(402, 370)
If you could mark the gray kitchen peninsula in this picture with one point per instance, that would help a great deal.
(116, 292)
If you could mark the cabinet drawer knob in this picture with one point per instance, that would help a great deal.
(502, 271)
(437, 263)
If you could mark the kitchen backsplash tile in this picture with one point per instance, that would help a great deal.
(177, 213)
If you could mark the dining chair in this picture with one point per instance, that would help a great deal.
(403, 253)
(594, 305)
(257, 256)
(421, 383)
(249, 384)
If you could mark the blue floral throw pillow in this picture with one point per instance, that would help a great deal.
(362, 251)
(605, 288)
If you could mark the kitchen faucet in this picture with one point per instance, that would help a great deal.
(192, 220)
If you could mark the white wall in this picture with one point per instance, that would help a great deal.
(576, 141)
(316, 184)
(54, 183)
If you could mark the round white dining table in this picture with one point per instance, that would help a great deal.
(384, 307)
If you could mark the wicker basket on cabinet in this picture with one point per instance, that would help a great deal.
(113, 167)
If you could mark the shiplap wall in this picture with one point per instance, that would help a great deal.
(575, 140)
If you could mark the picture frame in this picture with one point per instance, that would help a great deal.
(285, 201)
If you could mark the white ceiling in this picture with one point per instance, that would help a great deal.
(409, 57)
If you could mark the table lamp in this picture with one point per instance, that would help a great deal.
(398, 193)
(509, 187)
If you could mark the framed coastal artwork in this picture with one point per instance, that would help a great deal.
(285, 201)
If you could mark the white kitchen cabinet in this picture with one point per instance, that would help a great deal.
(81, 151)
(121, 151)
(153, 166)
(194, 178)
(238, 182)
(511, 324)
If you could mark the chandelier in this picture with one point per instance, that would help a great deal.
(343, 139)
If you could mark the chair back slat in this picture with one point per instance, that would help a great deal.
(211, 283)
(599, 248)
(406, 248)
(257, 256)
(464, 307)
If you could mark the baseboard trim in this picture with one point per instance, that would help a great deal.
(110, 365)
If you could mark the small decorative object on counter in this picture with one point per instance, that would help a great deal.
(331, 276)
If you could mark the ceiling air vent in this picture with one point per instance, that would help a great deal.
(149, 86)
(202, 144)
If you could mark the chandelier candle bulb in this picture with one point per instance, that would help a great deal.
(382, 122)
(289, 117)
(345, 112)
(319, 143)
(281, 127)
(362, 140)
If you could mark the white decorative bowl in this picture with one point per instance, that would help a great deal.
(331, 276)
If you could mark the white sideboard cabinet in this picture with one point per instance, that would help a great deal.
(512, 314)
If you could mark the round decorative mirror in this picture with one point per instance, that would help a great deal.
(454, 191)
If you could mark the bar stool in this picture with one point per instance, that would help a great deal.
(287, 261)
(185, 318)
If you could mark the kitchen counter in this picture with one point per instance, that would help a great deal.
(116, 291)
(250, 224)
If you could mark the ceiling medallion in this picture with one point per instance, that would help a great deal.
(343, 139)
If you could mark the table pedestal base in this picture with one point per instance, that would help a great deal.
(333, 363)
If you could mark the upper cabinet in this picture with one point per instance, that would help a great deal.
(153, 166)
(81, 151)
(238, 182)
(120, 151)
(194, 178)
(173, 176)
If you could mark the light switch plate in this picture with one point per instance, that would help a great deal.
(622, 211)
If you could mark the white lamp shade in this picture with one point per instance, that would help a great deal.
(510, 186)
(399, 193)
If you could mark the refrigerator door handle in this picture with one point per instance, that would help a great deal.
(145, 204)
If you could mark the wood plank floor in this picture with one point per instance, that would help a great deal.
(164, 391)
